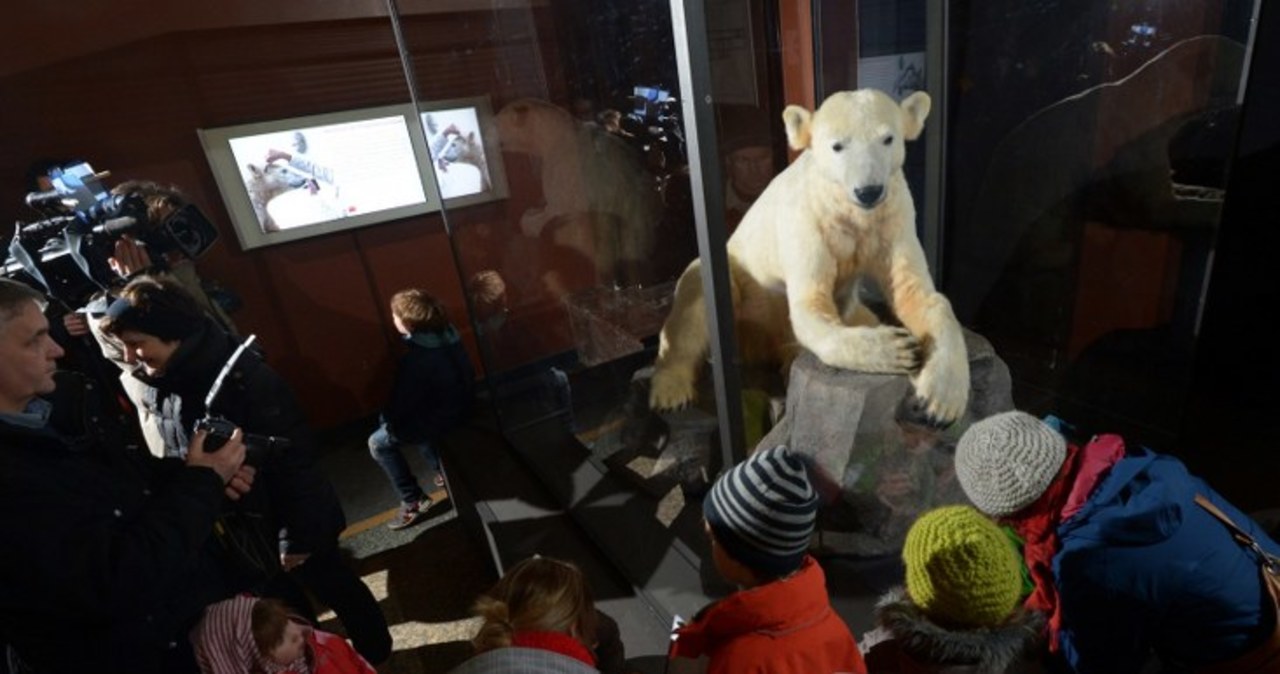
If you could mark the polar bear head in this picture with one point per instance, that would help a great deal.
(537, 127)
(856, 139)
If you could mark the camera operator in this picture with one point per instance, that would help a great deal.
(179, 352)
(104, 570)
(130, 258)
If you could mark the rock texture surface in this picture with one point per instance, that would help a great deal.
(878, 464)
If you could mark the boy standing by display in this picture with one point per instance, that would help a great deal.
(760, 516)
(433, 390)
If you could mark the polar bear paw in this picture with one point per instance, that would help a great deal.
(670, 389)
(942, 388)
(882, 349)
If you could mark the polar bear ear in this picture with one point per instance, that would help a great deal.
(796, 120)
(915, 108)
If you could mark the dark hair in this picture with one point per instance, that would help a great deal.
(14, 296)
(156, 306)
(419, 310)
(161, 200)
(270, 618)
(539, 594)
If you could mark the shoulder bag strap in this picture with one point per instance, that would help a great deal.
(1265, 657)
(1269, 563)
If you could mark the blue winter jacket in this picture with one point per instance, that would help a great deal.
(1142, 567)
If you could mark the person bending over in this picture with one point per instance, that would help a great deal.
(1125, 562)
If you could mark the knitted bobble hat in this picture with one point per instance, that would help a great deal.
(1006, 461)
(962, 570)
(762, 511)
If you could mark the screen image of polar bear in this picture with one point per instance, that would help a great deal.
(308, 176)
(457, 151)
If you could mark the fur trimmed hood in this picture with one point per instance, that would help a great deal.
(906, 641)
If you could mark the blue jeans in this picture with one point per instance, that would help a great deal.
(385, 449)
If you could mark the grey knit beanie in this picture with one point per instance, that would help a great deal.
(1006, 461)
(762, 511)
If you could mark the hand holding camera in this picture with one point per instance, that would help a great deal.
(225, 459)
(218, 431)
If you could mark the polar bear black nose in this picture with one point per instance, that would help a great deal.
(869, 196)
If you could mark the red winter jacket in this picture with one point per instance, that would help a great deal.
(334, 655)
(783, 627)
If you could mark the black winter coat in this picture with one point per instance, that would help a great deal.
(289, 489)
(434, 388)
(104, 564)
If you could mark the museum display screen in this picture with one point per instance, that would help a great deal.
(290, 179)
(464, 152)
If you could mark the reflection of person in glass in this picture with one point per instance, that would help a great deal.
(748, 158)
(294, 206)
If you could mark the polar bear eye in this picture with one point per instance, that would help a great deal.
(836, 147)
(888, 140)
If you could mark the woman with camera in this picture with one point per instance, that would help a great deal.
(285, 530)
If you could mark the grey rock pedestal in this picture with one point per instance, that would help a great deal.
(878, 464)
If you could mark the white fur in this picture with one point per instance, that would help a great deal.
(805, 241)
(265, 183)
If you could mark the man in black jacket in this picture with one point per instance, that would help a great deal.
(103, 567)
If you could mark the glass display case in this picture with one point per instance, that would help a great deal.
(574, 157)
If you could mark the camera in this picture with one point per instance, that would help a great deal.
(220, 429)
(66, 252)
(258, 447)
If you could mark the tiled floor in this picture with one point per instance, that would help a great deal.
(426, 577)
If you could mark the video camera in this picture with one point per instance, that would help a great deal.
(66, 252)
(219, 429)
(654, 121)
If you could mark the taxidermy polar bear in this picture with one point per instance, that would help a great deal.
(839, 212)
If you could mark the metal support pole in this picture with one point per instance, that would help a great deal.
(935, 147)
(693, 61)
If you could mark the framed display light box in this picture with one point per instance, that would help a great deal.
(295, 178)
(465, 154)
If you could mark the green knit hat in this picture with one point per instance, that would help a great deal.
(962, 570)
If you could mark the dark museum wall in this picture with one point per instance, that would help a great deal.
(128, 96)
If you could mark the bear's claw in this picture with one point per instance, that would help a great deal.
(669, 391)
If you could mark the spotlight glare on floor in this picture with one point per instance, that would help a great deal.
(413, 634)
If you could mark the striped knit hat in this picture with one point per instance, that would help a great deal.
(762, 511)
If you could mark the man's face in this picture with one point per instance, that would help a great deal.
(750, 170)
(28, 358)
(149, 351)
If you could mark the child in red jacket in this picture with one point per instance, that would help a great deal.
(760, 517)
(260, 636)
